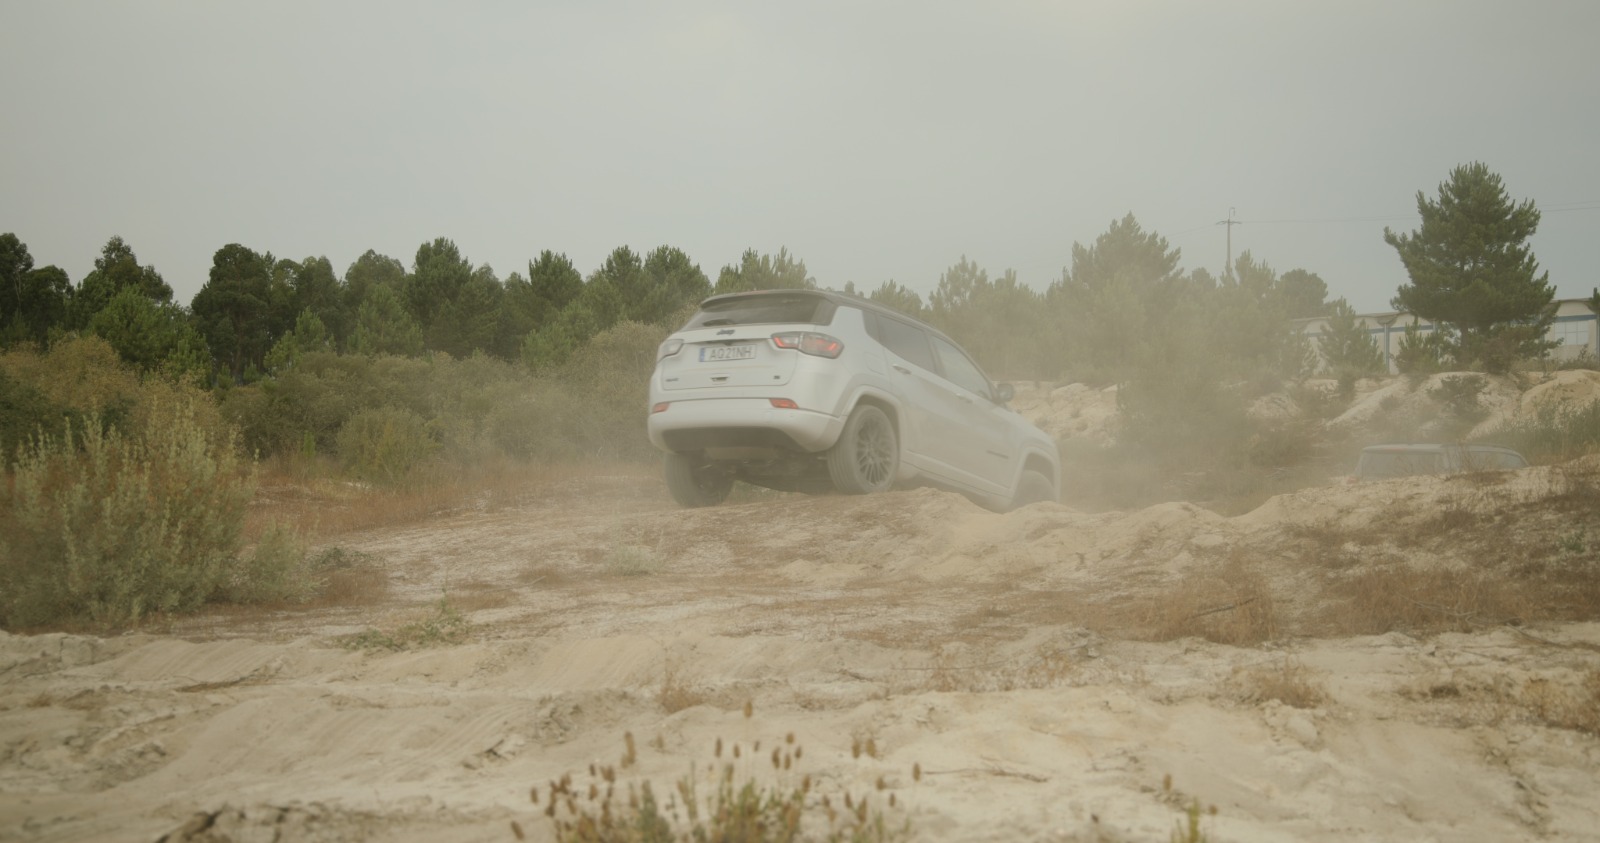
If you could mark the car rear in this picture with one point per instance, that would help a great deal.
(761, 370)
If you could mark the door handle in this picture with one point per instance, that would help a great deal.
(901, 369)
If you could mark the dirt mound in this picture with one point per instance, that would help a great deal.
(1564, 391)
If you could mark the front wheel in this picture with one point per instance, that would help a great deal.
(694, 482)
(866, 458)
(1033, 488)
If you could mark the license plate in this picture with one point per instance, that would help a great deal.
(718, 353)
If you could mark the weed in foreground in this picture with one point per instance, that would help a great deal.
(1187, 829)
(629, 560)
(739, 807)
(445, 626)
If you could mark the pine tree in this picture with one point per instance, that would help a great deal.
(1471, 269)
(1348, 350)
(384, 327)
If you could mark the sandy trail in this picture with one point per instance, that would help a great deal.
(1005, 656)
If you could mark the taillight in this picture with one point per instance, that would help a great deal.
(668, 348)
(783, 403)
(660, 408)
(809, 342)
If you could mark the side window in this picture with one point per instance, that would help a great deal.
(870, 320)
(908, 341)
(961, 370)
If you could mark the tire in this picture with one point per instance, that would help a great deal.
(694, 483)
(1033, 488)
(866, 459)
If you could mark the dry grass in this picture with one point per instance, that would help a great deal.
(1558, 700)
(350, 578)
(1288, 682)
(323, 505)
(746, 803)
(1231, 603)
(957, 669)
(445, 625)
(1399, 597)
(1574, 706)
(678, 691)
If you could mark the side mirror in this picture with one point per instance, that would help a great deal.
(1004, 392)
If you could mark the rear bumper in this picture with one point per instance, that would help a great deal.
(741, 422)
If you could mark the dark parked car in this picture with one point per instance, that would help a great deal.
(1381, 462)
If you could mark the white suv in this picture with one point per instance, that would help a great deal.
(811, 391)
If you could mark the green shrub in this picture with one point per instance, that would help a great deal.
(446, 625)
(1585, 360)
(106, 526)
(1459, 394)
(1554, 433)
(75, 379)
(279, 570)
(384, 444)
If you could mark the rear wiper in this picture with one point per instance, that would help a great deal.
(711, 323)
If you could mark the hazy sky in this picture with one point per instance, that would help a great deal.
(875, 141)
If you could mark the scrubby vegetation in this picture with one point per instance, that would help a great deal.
(106, 523)
(129, 492)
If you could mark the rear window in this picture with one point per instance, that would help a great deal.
(764, 310)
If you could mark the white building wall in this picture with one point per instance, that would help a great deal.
(1576, 327)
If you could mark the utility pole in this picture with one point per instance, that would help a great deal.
(1230, 222)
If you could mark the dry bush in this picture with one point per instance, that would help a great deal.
(1290, 682)
(350, 578)
(1563, 707)
(1231, 604)
(1399, 597)
(676, 691)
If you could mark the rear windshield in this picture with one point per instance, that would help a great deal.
(764, 310)
(1380, 464)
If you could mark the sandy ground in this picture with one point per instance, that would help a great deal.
(1004, 657)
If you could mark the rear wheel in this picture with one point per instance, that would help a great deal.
(1032, 488)
(695, 482)
(866, 458)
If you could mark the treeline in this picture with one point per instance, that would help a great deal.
(257, 313)
(295, 351)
